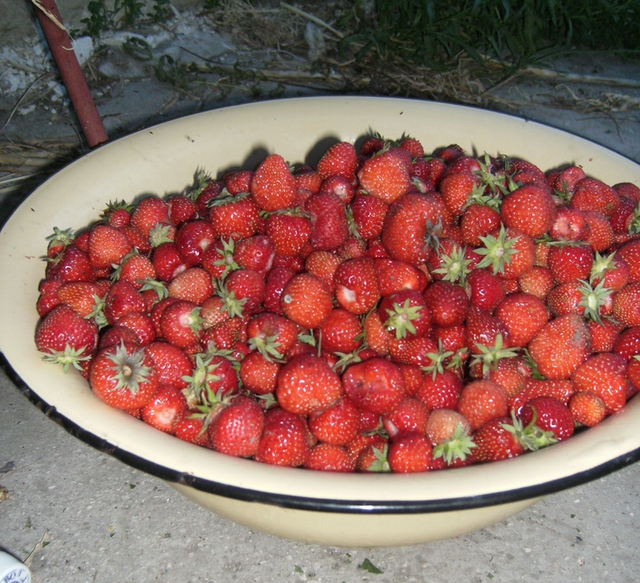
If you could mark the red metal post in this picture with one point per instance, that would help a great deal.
(72, 76)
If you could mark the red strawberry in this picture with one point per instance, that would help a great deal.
(561, 346)
(181, 324)
(337, 425)
(538, 282)
(123, 377)
(524, 315)
(167, 261)
(165, 409)
(508, 252)
(368, 214)
(570, 224)
(385, 176)
(329, 458)
(394, 276)
(549, 414)
(149, 212)
(285, 439)
(375, 385)
(405, 314)
(627, 344)
(194, 285)
(626, 305)
(588, 409)
(66, 337)
(456, 189)
(235, 217)
(307, 384)
(570, 263)
(339, 160)
(478, 220)
(306, 300)
(259, 374)
(171, 363)
(72, 264)
(529, 209)
(121, 299)
(447, 302)
(601, 235)
(192, 239)
(630, 253)
(410, 226)
(236, 429)
(604, 374)
(409, 453)
(275, 283)
(591, 194)
(182, 209)
(289, 231)
(564, 182)
(481, 401)
(273, 187)
(271, 335)
(136, 268)
(238, 181)
(83, 297)
(409, 416)
(485, 289)
(141, 324)
(190, 427)
(449, 432)
(376, 335)
(243, 292)
(411, 351)
(496, 440)
(329, 226)
(341, 332)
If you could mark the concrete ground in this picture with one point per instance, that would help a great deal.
(76, 515)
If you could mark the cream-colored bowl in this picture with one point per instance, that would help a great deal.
(353, 510)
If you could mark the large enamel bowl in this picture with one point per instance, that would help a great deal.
(353, 510)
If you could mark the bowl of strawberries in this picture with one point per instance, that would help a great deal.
(342, 320)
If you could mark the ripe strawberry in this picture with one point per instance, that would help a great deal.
(273, 187)
(182, 209)
(341, 332)
(538, 282)
(329, 458)
(123, 377)
(604, 374)
(48, 296)
(194, 285)
(481, 401)
(337, 425)
(588, 409)
(306, 300)
(411, 351)
(457, 188)
(375, 385)
(141, 324)
(149, 212)
(235, 217)
(409, 453)
(529, 209)
(570, 224)
(259, 374)
(627, 344)
(485, 289)
(329, 225)
(243, 292)
(478, 220)
(71, 264)
(271, 335)
(66, 337)
(307, 384)
(447, 302)
(508, 252)
(564, 182)
(238, 181)
(630, 253)
(371, 455)
(285, 439)
(601, 236)
(633, 373)
(375, 334)
(289, 231)
(394, 276)
(340, 159)
(570, 263)
(386, 176)
(496, 440)
(275, 282)
(405, 314)
(181, 324)
(192, 239)
(135, 268)
(167, 261)
(367, 214)
(84, 297)
(410, 226)
(524, 315)
(410, 416)
(549, 414)
(236, 428)
(449, 433)
(561, 346)
(205, 193)
(164, 410)
(591, 194)
(626, 305)
(171, 363)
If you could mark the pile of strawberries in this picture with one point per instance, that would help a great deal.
(386, 310)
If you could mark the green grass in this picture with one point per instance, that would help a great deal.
(438, 33)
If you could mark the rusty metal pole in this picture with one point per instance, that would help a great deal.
(70, 71)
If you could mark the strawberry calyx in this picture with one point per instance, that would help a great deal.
(593, 298)
(267, 346)
(601, 265)
(439, 361)
(202, 180)
(129, 370)
(199, 380)
(497, 251)
(68, 357)
(227, 259)
(455, 266)
(489, 356)
(230, 304)
(160, 234)
(158, 287)
(97, 314)
(59, 239)
(400, 319)
(380, 465)
(530, 437)
(457, 447)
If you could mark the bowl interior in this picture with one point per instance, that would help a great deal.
(163, 160)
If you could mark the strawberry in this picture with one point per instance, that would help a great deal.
(385, 176)
(394, 276)
(481, 401)
(405, 314)
(440, 390)
(181, 324)
(235, 217)
(135, 268)
(66, 337)
(508, 252)
(626, 305)
(588, 409)
(71, 264)
(123, 377)
(336, 425)
(627, 344)
(340, 159)
(182, 209)
(561, 346)
(570, 224)
(236, 429)
(485, 289)
(409, 453)
(411, 351)
(330, 458)
(307, 384)
(271, 335)
(289, 231)
(633, 374)
(456, 189)
(601, 235)
(164, 410)
(192, 239)
(243, 292)
(524, 315)
(171, 363)
(570, 263)
(560, 389)
(478, 220)
(449, 433)
(375, 334)
(409, 227)
(410, 416)
(141, 324)
(341, 332)
(193, 285)
(538, 282)
(329, 225)
(275, 283)
(604, 375)
(367, 214)
(258, 373)
(591, 194)
(306, 300)
(375, 385)
(630, 253)
(149, 212)
(604, 334)
(273, 187)
(447, 302)
(206, 192)
(48, 296)
(564, 182)
(549, 414)
(528, 209)
(285, 439)
(496, 440)
(611, 269)
(83, 297)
